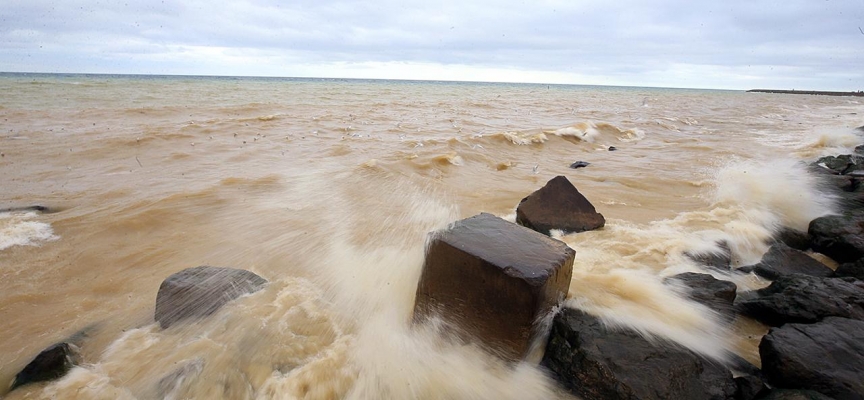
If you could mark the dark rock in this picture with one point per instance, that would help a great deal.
(792, 394)
(596, 362)
(749, 387)
(41, 209)
(580, 164)
(853, 269)
(721, 260)
(493, 279)
(558, 205)
(612, 148)
(714, 293)
(802, 298)
(827, 357)
(840, 164)
(783, 260)
(52, 363)
(200, 291)
(793, 238)
(860, 148)
(840, 237)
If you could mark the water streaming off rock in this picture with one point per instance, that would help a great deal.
(327, 188)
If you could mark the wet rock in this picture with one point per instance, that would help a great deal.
(793, 238)
(493, 279)
(200, 291)
(803, 299)
(612, 148)
(171, 383)
(37, 208)
(860, 148)
(853, 269)
(792, 394)
(827, 357)
(840, 237)
(749, 387)
(580, 164)
(52, 363)
(714, 293)
(842, 163)
(558, 205)
(718, 260)
(596, 362)
(783, 260)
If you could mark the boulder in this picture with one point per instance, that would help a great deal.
(579, 164)
(714, 293)
(493, 280)
(718, 260)
(853, 269)
(805, 299)
(52, 363)
(827, 357)
(558, 205)
(200, 291)
(840, 164)
(781, 260)
(39, 209)
(596, 362)
(792, 394)
(860, 148)
(840, 237)
(793, 238)
(749, 387)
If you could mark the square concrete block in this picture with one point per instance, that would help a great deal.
(494, 280)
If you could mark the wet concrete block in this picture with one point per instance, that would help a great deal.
(494, 281)
(558, 205)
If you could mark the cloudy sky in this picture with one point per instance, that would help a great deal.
(735, 44)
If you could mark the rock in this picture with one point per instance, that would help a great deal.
(493, 279)
(721, 260)
(714, 293)
(749, 387)
(580, 164)
(169, 384)
(596, 362)
(37, 208)
(792, 394)
(612, 148)
(558, 205)
(52, 363)
(783, 260)
(840, 237)
(840, 164)
(200, 291)
(793, 238)
(827, 357)
(805, 299)
(860, 148)
(853, 269)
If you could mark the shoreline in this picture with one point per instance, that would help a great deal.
(810, 92)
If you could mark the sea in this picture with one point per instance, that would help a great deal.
(328, 188)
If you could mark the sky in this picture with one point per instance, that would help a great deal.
(731, 44)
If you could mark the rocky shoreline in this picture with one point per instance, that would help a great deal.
(808, 92)
(813, 350)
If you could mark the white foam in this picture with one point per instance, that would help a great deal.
(18, 229)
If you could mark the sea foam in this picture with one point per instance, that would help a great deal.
(18, 229)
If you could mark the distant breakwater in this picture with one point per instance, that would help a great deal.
(810, 92)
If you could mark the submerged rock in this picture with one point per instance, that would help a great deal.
(721, 260)
(714, 293)
(580, 164)
(200, 291)
(52, 363)
(599, 363)
(802, 298)
(37, 208)
(493, 280)
(827, 357)
(781, 260)
(840, 237)
(558, 205)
